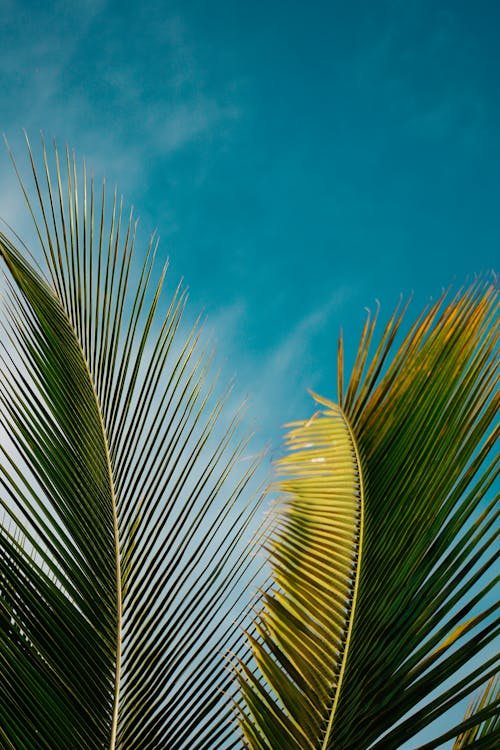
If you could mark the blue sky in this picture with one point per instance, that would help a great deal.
(298, 165)
(299, 160)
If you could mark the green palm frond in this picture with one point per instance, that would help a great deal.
(124, 544)
(391, 615)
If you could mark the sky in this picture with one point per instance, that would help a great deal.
(297, 166)
(299, 160)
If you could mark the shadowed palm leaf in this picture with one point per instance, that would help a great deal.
(122, 548)
(383, 545)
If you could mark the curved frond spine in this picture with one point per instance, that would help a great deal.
(303, 626)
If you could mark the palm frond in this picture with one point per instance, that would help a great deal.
(482, 718)
(125, 536)
(315, 545)
(420, 607)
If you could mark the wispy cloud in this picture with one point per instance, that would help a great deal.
(277, 379)
(75, 80)
(300, 339)
(187, 122)
(183, 108)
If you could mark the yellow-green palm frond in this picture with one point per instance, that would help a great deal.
(418, 604)
(314, 545)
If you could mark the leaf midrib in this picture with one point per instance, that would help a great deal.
(17, 266)
(329, 728)
(116, 535)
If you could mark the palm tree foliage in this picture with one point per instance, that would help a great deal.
(484, 734)
(382, 545)
(123, 548)
(126, 568)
